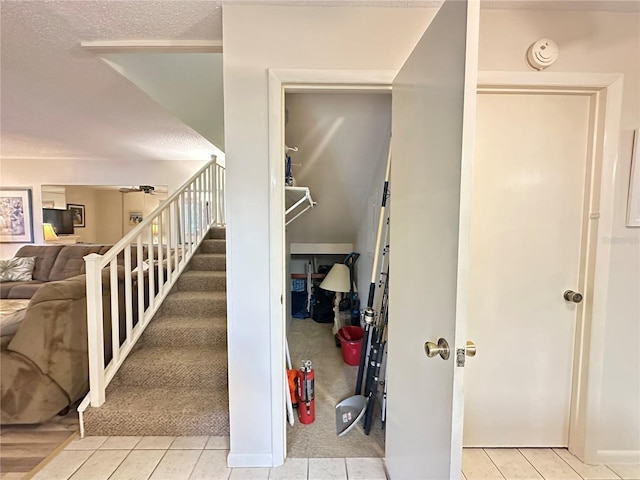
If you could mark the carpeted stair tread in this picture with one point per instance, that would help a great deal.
(217, 233)
(161, 366)
(169, 399)
(195, 303)
(213, 245)
(187, 331)
(203, 280)
(184, 321)
(160, 411)
(209, 261)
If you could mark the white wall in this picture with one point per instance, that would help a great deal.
(367, 231)
(189, 85)
(595, 42)
(342, 139)
(55, 194)
(35, 173)
(257, 38)
(109, 204)
(87, 197)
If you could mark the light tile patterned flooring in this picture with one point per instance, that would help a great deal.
(188, 458)
(205, 458)
(537, 464)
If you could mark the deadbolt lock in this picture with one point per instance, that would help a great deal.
(441, 348)
(462, 353)
(470, 351)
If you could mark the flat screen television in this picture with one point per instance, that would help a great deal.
(61, 220)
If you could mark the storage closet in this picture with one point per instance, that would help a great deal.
(337, 142)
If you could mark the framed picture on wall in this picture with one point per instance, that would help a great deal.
(135, 218)
(16, 216)
(633, 207)
(78, 214)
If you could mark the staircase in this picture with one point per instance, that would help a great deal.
(174, 382)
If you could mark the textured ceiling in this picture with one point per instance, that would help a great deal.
(61, 101)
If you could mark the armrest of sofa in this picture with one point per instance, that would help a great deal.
(53, 334)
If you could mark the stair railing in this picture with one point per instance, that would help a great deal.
(127, 295)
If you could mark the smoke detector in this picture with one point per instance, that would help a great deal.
(542, 54)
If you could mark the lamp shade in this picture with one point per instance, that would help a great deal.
(49, 232)
(337, 280)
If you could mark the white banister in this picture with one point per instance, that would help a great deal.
(163, 245)
(128, 295)
(115, 311)
(220, 182)
(95, 331)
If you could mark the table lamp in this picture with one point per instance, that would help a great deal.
(154, 231)
(49, 232)
(337, 280)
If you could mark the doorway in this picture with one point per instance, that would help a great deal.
(337, 142)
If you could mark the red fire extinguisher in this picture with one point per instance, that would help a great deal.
(306, 407)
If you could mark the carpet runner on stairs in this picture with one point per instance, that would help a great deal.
(174, 382)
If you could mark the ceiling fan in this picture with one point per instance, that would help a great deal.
(140, 188)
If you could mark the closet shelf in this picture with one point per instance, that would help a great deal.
(297, 200)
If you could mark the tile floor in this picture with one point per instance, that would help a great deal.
(188, 458)
(537, 464)
(205, 458)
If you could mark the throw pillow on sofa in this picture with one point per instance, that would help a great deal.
(17, 269)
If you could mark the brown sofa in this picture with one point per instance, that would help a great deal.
(44, 366)
(53, 263)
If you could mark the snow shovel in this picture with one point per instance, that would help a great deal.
(348, 412)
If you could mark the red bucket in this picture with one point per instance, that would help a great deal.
(351, 342)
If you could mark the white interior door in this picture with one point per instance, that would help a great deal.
(526, 229)
(432, 122)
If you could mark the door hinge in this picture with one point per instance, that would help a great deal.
(281, 300)
(460, 357)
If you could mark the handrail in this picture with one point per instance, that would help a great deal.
(126, 290)
(126, 240)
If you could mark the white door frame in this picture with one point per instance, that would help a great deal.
(606, 90)
(278, 80)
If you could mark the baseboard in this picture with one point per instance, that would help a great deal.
(624, 457)
(239, 460)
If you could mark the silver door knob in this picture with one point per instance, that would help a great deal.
(571, 296)
(441, 348)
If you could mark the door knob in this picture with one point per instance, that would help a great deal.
(441, 348)
(470, 351)
(571, 296)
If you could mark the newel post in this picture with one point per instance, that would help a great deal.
(95, 331)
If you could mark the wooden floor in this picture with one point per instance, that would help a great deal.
(25, 447)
